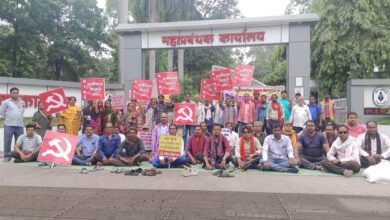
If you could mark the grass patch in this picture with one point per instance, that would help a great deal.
(384, 121)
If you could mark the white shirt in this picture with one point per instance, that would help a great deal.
(277, 149)
(385, 143)
(200, 114)
(347, 151)
(299, 115)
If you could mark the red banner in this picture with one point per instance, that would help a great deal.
(184, 114)
(54, 100)
(168, 83)
(57, 148)
(243, 75)
(221, 79)
(207, 91)
(118, 102)
(92, 88)
(141, 90)
(31, 101)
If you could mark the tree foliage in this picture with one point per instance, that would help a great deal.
(51, 39)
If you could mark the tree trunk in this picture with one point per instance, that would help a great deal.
(152, 53)
(58, 65)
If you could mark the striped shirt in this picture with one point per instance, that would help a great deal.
(29, 143)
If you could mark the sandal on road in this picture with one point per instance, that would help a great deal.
(189, 172)
(149, 173)
(225, 174)
(84, 171)
(97, 168)
(131, 173)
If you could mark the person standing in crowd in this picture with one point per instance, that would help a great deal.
(248, 151)
(162, 107)
(199, 110)
(149, 122)
(27, 146)
(312, 147)
(258, 132)
(217, 152)
(42, 120)
(108, 145)
(374, 146)
(246, 112)
(131, 152)
(330, 133)
(299, 115)
(90, 116)
(163, 162)
(278, 153)
(328, 109)
(274, 114)
(107, 115)
(343, 157)
(195, 146)
(205, 130)
(162, 128)
(290, 132)
(209, 111)
(261, 108)
(12, 111)
(131, 116)
(286, 103)
(188, 129)
(230, 113)
(219, 112)
(86, 147)
(354, 128)
(233, 137)
(99, 108)
(315, 111)
(256, 98)
(71, 117)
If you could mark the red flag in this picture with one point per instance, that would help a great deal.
(57, 148)
(243, 75)
(184, 114)
(118, 102)
(221, 79)
(92, 88)
(168, 83)
(54, 100)
(207, 90)
(141, 89)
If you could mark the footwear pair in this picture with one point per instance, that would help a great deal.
(187, 172)
(151, 172)
(133, 172)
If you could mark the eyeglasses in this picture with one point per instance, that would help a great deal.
(343, 132)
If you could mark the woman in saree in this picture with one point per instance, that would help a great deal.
(107, 115)
(71, 117)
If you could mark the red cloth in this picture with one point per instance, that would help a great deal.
(195, 146)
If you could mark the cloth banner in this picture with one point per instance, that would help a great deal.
(146, 137)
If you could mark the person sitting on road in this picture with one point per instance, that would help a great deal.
(61, 128)
(233, 137)
(165, 162)
(374, 146)
(248, 151)
(312, 147)
(343, 157)
(131, 152)
(195, 146)
(278, 153)
(27, 146)
(108, 145)
(258, 132)
(217, 153)
(86, 147)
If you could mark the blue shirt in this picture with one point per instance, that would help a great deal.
(312, 146)
(286, 107)
(108, 147)
(88, 145)
(12, 113)
(314, 109)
